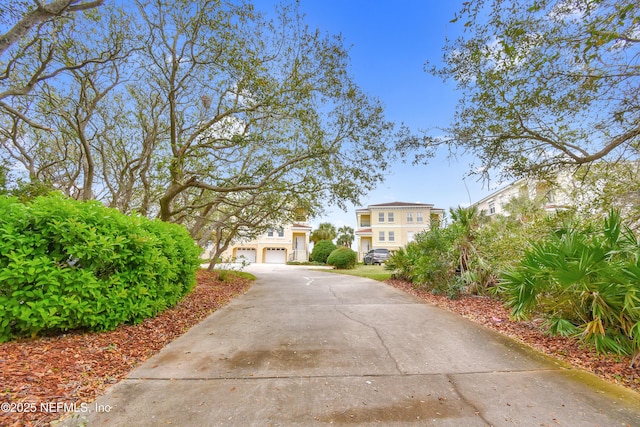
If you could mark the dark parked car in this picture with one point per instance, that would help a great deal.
(376, 256)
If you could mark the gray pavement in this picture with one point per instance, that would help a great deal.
(305, 347)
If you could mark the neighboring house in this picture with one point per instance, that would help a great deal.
(494, 203)
(552, 196)
(392, 225)
(276, 246)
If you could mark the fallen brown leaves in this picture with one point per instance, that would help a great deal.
(77, 367)
(492, 314)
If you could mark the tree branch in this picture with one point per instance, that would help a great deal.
(41, 13)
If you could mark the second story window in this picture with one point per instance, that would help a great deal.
(492, 208)
(392, 236)
(419, 217)
(381, 236)
(409, 216)
(390, 217)
(281, 233)
(381, 217)
(270, 233)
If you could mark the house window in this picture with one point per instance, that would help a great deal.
(392, 236)
(410, 236)
(381, 236)
(492, 208)
(280, 232)
(390, 217)
(409, 216)
(270, 233)
(381, 217)
(419, 217)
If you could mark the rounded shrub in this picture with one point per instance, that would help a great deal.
(322, 250)
(343, 258)
(66, 264)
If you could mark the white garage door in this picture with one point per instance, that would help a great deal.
(248, 255)
(275, 256)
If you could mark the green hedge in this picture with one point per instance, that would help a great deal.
(343, 258)
(66, 264)
(321, 251)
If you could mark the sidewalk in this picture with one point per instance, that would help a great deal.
(307, 347)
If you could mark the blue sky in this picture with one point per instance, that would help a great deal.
(389, 42)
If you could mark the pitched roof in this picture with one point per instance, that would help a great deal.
(396, 204)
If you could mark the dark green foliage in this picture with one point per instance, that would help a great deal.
(401, 264)
(322, 250)
(4, 170)
(66, 264)
(585, 280)
(468, 255)
(502, 242)
(429, 261)
(343, 258)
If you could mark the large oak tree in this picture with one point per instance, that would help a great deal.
(213, 116)
(36, 45)
(545, 84)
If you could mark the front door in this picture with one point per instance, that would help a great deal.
(299, 248)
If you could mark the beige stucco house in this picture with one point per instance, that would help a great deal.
(392, 225)
(276, 246)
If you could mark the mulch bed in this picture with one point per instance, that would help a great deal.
(492, 314)
(66, 370)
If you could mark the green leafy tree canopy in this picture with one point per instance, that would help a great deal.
(543, 84)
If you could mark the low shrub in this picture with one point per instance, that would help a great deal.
(428, 262)
(585, 280)
(343, 258)
(322, 250)
(66, 264)
(304, 263)
(401, 263)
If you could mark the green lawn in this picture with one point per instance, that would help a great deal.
(375, 272)
(222, 274)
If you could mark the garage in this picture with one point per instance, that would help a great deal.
(275, 256)
(246, 255)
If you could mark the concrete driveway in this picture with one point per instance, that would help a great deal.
(306, 347)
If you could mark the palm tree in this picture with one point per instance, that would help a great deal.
(345, 236)
(325, 231)
(465, 220)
